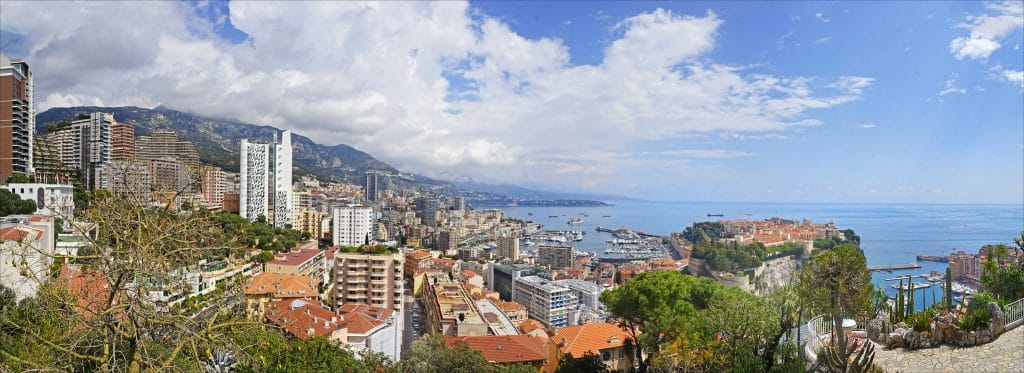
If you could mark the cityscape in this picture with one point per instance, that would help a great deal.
(139, 237)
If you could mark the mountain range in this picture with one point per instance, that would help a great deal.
(217, 141)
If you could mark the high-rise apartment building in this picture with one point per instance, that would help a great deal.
(124, 142)
(554, 257)
(352, 225)
(363, 278)
(283, 203)
(266, 180)
(47, 162)
(508, 248)
(213, 183)
(165, 143)
(553, 305)
(17, 118)
(87, 144)
(370, 187)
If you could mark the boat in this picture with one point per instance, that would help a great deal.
(575, 221)
(530, 213)
(552, 216)
(716, 215)
(917, 285)
(607, 216)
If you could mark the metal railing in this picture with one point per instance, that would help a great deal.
(1014, 314)
(817, 328)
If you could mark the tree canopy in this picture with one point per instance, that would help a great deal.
(11, 204)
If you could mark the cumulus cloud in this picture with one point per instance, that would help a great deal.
(987, 30)
(435, 88)
(866, 125)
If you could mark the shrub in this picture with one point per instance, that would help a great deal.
(922, 321)
(975, 319)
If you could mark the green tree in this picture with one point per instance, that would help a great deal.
(588, 363)
(18, 179)
(654, 303)
(11, 204)
(312, 355)
(838, 283)
(947, 292)
(433, 355)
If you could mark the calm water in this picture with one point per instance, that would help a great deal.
(890, 233)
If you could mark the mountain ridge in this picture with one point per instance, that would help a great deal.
(217, 141)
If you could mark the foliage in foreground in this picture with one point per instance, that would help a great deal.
(695, 324)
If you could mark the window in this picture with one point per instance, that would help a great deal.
(620, 354)
(606, 356)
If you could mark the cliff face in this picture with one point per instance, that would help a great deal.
(776, 273)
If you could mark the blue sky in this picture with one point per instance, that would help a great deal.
(781, 101)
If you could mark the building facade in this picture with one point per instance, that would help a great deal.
(370, 187)
(508, 248)
(352, 225)
(554, 257)
(373, 279)
(123, 142)
(17, 118)
(553, 305)
(266, 180)
(51, 199)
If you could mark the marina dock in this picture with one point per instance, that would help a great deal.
(893, 267)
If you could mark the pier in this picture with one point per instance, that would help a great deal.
(892, 267)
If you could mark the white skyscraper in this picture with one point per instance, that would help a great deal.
(257, 167)
(352, 224)
(254, 172)
(283, 181)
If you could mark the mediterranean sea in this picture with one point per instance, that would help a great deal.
(890, 233)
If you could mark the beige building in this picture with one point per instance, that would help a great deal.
(368, 278)
(306, 220)
(554, 257)
(508, 247)
(450, 310)
(309, 263)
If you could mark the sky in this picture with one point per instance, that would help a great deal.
(727, 101)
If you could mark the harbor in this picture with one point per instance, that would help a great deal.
(893, 267)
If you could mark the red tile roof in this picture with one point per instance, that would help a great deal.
(279, 285)
(530, 325)
(91, 288)
(580, 339)
(302, 318)
(518, 348)
(329, 253)
(361, 318)
(18, 233)
(509, 306)
(294, 258)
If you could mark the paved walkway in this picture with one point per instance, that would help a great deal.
(1006, 354)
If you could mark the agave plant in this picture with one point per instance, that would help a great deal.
(220, 361)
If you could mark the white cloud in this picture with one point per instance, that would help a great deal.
(866, 125)
(821, 17)
(434, 88)
(987, 30)
(1014, 76)
(950, 87)
(822, 40)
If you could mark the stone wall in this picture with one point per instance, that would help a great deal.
(943, 330)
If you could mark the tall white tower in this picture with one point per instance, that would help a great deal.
(283, 181)
(253, 170)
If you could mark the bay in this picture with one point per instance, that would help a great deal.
(890, 233)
